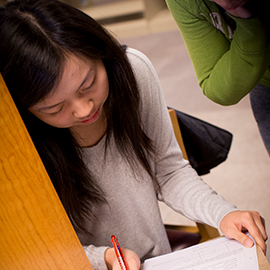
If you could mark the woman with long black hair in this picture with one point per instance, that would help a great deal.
(98, 119)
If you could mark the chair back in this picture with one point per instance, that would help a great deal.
(184, 236)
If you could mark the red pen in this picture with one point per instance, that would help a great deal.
(120, 257)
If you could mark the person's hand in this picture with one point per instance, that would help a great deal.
(234, 224)
(131, 258)
(237, 8)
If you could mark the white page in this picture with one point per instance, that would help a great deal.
(218, 254)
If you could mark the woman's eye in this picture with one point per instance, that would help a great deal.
(54, 113)
(85, 89)
(91, 85)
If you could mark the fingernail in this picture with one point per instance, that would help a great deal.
(248, 243)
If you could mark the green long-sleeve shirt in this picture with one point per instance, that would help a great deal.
(228, 63)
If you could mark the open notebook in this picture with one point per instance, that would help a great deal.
(221, 253)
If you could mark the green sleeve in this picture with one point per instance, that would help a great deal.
(226, 69)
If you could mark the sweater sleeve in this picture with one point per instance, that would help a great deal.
(182, 189)
(96, 256)
(226, 69)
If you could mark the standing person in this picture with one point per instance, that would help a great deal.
(228, 43)
(97, 116)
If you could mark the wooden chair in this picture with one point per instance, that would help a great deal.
(35, 232)
(184, 236)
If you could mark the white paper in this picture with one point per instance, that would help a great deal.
(219, 254)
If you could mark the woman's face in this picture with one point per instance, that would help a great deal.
(79, 97)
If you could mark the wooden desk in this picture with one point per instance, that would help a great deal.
(35, 232)
(263, 263)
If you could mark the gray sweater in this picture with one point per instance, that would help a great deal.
(132, 212)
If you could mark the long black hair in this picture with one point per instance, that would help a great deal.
(35, 38)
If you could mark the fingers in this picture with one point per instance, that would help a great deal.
(255, 225)
(133, 264)
(262, 229)
(233, 225)
(242, 238)
(132, 259)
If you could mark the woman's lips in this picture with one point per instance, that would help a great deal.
(92, 119)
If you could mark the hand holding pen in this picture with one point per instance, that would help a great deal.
(130, 257)
(119, 254)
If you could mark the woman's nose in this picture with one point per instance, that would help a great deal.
(82, 108)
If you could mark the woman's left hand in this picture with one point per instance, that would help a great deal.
(131, 257)
(234, 224)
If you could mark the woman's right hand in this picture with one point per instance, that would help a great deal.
(131, 258)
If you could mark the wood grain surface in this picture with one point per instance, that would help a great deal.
(35, 232)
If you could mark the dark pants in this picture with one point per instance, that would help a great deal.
(260, 103)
